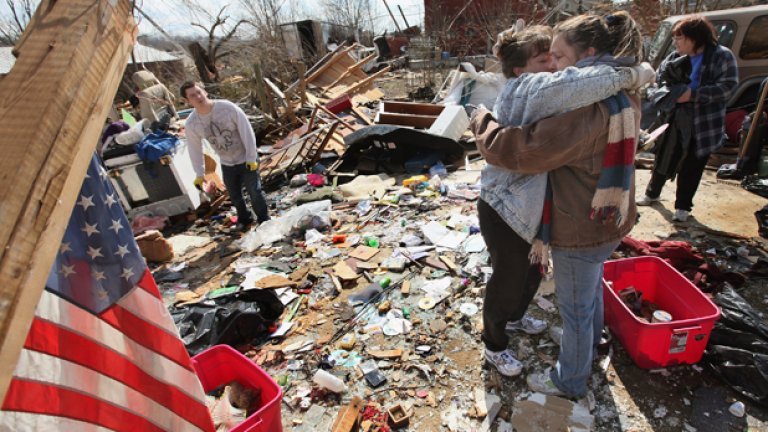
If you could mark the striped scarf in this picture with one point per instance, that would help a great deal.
(611, 200)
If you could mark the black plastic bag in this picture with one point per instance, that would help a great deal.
(232, 319)
(737, 351)
(762, 221)
(756, 185)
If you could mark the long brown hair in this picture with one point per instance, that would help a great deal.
(616, 33)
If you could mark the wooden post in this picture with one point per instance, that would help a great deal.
(264, 100)
(756, 118)
(302, 83)
(393, 17)
(55, 100)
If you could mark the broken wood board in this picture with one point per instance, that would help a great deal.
(364, 253)
(435, 263)
(405, 288)
(274, 281)
(542, 413)
(362, 265)
(341, 75)
(348, 416)
(56, 97)
(449, 263)
(344, 271)
(386, 354)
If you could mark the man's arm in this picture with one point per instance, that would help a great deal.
(195, 146)
(539, 147)
(246, 135)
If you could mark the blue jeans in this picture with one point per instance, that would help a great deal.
(235, 178)
(579, 290)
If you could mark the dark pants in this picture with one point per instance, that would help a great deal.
(514, 280)
(236, 178)
(688, 180)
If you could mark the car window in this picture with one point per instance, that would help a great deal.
(755, 45)
(659, 39)
(726, 30)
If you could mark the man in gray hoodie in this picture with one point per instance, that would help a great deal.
(227, 129)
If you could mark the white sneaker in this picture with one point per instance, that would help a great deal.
(504, 361)
(527, 324)
(646, 200)
(681, 215)
(542, 383)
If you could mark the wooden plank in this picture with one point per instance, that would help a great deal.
(55, 100)
(361, 84)
(418, 121)
(264, 99)
(363, 116)
(348, 416)
(335, 117)
(352, 69)
(412, 108)
(329, 63)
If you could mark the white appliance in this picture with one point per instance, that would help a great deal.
(164, 188)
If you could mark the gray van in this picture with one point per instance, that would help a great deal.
(744, 31)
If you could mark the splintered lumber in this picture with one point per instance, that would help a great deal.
(360, 85)
(417, 121)
(70, 61)
(348, 416)
(330, 63)
(352, 68)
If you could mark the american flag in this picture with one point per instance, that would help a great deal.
(102, 352)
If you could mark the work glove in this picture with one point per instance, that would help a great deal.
(252, 166)
(642, 74)
(199, 182)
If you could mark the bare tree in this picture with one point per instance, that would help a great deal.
(349, 13)
(266, 15)
(206, 59)
(11, 27)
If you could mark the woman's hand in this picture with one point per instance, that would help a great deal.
(686, 97)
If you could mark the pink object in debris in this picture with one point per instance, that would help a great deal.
(316, 180)
(142, 223)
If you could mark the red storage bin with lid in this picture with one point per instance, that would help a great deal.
(222, 364)
(655, 345)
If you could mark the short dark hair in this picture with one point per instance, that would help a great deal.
(188, 85)
(514, 48)
(698, 29)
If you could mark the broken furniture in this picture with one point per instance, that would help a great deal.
(163, 188)
(447, 121)
(342, 74)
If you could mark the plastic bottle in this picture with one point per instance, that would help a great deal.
(385, 282)
(329, 381)
(371, 241)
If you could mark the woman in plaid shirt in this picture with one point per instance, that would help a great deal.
(714, 77)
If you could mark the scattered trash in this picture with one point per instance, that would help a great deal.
(738, 409)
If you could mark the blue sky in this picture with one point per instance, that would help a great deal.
(176, 21)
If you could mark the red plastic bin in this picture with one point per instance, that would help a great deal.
(222, 364)
(654, 345)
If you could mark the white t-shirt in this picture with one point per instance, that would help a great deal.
(227, 130)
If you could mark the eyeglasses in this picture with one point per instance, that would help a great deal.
(678, 37)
